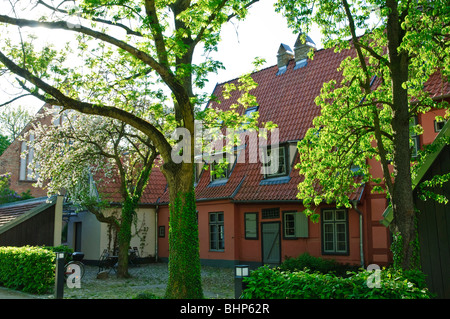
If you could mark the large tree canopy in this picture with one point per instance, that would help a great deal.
(395, 47)
(131, 61)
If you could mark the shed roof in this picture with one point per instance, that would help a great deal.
(14, 213)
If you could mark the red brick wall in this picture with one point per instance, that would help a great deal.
(10, 161)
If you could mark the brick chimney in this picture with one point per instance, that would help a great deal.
(301, 50)
(284, 55)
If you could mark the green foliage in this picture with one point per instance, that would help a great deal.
(4, 143)
(31, 269)
(7, 195)
(270, 283)
(184, 262)
(306, 261)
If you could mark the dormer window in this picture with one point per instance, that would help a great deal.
(250, 110)
(275, 163)
(221, 169)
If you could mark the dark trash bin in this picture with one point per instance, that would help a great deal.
(77, 256)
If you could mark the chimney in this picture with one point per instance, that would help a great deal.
(284, 55)
(301, 50)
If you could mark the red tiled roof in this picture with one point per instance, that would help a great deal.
(289, 101)
(109, 188)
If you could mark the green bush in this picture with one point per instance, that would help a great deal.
(270, 283)
(324, 266)
(30, 269)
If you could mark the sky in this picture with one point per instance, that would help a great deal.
(259, 35)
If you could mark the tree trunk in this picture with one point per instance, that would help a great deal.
(184, 257)
(402, 195)
(124, 237)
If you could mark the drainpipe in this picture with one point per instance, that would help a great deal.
(361, 247)
(156, 233)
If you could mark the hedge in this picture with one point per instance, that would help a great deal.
(273, 283)
(30, 269)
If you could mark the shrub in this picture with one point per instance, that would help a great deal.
(324, 266)
(31, 269)
(7, 195)
(269, 283)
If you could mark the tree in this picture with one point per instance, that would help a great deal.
(394, 47)
(13, 121)
(7, 195)
(4, 143)
(150, 44)
(88, 150)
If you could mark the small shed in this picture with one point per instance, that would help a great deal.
(33, 222)
(433, 221)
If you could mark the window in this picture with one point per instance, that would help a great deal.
(279, 167)
(248, 112)
(270, 213)
(334, 231)
(162, 231)
(295, 225)
(438, 125)
(216, 232)
(25, 173)
(414, 137)
(251, 225)
(219, 172)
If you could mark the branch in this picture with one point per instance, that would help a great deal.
(14, 99)
(127, 29)
(88, 108)
(156, 30)
(163, 70)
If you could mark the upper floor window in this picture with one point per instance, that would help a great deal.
(26, 157)
(223, 165)
(275, 163)
(439, 125)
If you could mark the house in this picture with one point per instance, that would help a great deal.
(248, 217)
(245, 216)
(33, 222)
(81, 230)
(433, 219)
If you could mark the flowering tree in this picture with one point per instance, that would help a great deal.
(89, 150)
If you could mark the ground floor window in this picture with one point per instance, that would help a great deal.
(335, 231)
(251, 225)
(216, 231)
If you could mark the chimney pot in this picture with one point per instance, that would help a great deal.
(301, 50)
(284, 55)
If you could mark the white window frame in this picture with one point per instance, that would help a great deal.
(295, 225)
(333, 221)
